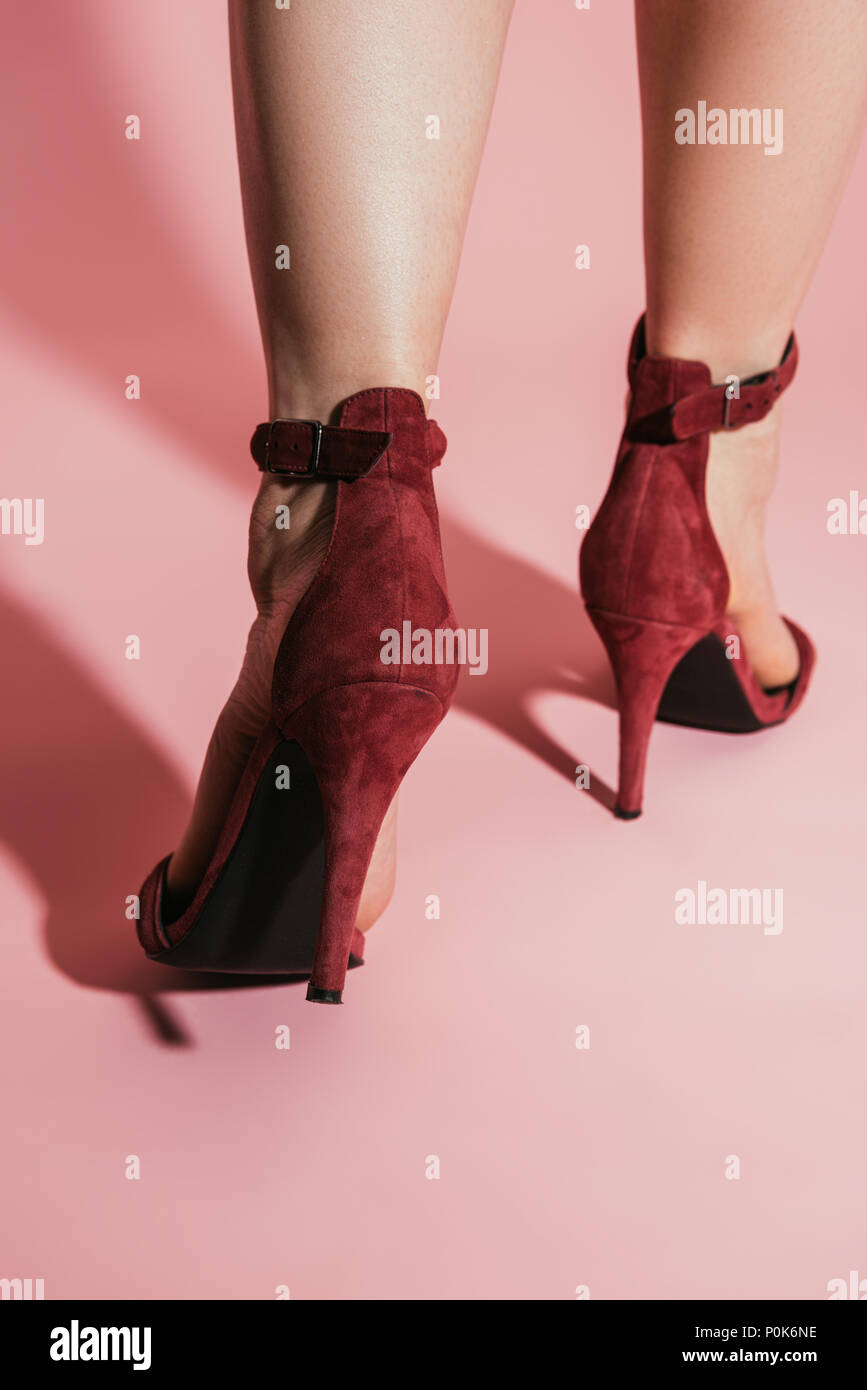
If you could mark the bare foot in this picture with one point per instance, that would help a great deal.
(741, 473)
(281, 564)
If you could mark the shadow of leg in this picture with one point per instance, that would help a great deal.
(137, 293)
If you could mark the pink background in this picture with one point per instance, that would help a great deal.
(306, 1167)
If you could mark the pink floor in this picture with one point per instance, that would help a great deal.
(559, 1167)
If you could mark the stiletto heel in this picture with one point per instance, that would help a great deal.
(643, 656)
(282, 891)
(360, 740)
(653, 576)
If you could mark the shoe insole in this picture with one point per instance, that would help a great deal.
(704, 692)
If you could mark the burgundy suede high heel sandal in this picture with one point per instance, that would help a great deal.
(653, 577)
(281, 893)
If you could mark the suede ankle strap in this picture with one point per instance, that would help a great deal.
(712, 407)
(308, 449)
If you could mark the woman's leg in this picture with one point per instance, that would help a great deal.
(333, 100)
(732, 235)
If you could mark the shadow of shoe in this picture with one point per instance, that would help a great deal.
(540, 640)
(88, 804)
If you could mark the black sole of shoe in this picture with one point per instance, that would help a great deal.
(262, 915)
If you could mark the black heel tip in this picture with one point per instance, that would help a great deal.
(626, 815)
(324, 996)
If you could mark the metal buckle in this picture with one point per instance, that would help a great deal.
(727, 410)
(751, 381)
(312, 468)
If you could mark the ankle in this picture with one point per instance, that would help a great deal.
(284, 505)
(290, 526)
(744, 463)
(725, 355)
(300, 395)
